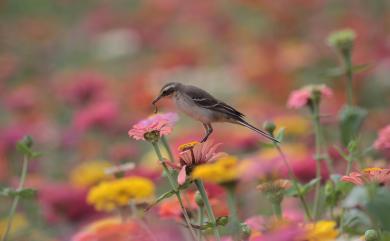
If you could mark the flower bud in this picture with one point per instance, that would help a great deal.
(246, 231)
(371, 235)
(199, 199)
(28, 141)
(270, 127)
(152, 136)
(342, 40)
(222, 221)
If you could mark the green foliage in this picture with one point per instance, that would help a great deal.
(220, 221)
(22, 193)
(280, 135)
(24, 146)
(335, 190)
(351, 119)
(379, 208)
(303, 189)
(341, 71)
(167, 195)
(355, 222)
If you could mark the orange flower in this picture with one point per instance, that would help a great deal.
(112, 229)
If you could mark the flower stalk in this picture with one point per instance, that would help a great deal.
(270, 128)
(348, 72)
(175, 188)
(167, 148)
(294, 181)
(230, 188)
(210, 213)
(318, 149)
(16, 198)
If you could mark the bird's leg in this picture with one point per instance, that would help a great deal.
(209, 130)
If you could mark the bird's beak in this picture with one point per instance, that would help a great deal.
(155, 102)
(157, 99)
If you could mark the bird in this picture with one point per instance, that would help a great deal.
(202, 106)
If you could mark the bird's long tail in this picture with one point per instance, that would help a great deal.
(263, 133)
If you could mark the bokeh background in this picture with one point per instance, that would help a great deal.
(75, 75)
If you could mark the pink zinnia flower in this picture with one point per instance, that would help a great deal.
(100, 114)
(60, 201)
(162, 123)
(198, 153)
(375, 174)
(83, 87)
(383, 141)
(300, 98)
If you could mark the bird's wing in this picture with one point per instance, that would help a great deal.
(205, 100)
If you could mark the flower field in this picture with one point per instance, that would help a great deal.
(290, 141)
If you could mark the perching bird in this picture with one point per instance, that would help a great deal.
(203, 107)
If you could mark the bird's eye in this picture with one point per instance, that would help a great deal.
(167, 91)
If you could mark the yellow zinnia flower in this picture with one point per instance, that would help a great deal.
(89, 173)
(323, 230)
(187, 146)
(109, 195)
(224, 170)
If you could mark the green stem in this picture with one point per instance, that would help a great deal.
(175, 188)
(16, 199)
(201, 217)
(318, 148)
(294, 181)
(210, 213)
(167, 148)
(233, 212)
(349, 166)
(277, 209)
(348, 66)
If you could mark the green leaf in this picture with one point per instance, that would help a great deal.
(340, 71)
(280, 134)
(26, 193)
(308, 186)
(220, 221)
(160, 198)
(360, 68)
(23, 148)
(22, 193)
(168, 195)
(379, 207)
(267, 145)
(351, 119)
(36, 154)
(302, 189)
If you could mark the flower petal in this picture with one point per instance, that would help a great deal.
(181, 178)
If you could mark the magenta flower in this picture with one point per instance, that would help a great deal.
(100, 114)
(383, 141)
(161, 123)
(300, 98)
(198, 153)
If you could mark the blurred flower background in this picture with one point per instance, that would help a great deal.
(76, 76)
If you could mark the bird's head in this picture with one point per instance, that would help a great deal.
(167, 91)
